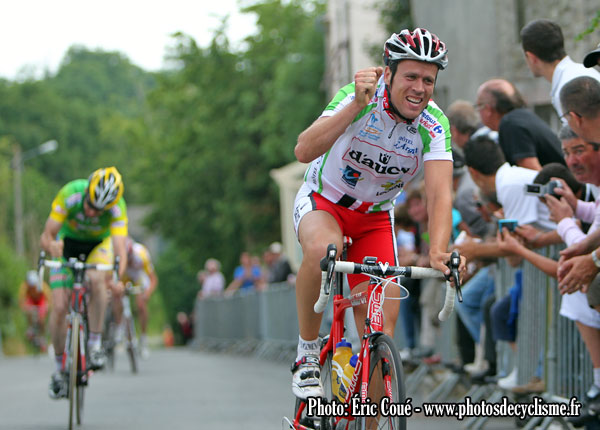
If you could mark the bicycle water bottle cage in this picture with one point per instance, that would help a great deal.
(370, 261)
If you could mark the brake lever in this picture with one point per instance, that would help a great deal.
(328, 264)
(454, 264)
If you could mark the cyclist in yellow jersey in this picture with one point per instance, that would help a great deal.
(140, 272)
(88, 217)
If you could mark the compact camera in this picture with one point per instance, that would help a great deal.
(541, 190)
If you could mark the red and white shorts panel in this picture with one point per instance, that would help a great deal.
(372, 233)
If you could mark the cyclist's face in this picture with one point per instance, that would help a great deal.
(89, 211)
(412, 86)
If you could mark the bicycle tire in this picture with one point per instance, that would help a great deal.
(319, 423)
(131, 341)
(81, 372)
(74, 359)
(384, 355)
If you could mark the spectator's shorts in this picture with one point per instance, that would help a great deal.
(575, 307)
(593, 294)
(372, 233)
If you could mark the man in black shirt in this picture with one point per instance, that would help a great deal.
(526, 140)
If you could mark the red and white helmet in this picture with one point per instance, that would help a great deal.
(420, 45)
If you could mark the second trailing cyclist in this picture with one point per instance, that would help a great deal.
(375, 136)
(88, 217)
(140, 272)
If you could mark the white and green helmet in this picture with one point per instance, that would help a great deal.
(419, 45)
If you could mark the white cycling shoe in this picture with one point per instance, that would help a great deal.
(306, 378)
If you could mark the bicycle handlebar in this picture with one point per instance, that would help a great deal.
(330, 265)
(76, 264)
(72, 263)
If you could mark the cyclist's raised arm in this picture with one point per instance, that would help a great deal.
(438, 180)
(320, 136)
(48, 240)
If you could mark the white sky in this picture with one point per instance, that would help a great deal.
(35, 34)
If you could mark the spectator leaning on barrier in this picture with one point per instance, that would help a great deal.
(500, 182)
(277, 267)
(503, 183)
(464, 123)
(246, 277)
(211, 280)
(573, 306)
(525, 139)
(580, 99)
(543, 45)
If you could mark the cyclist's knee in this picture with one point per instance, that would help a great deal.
(60, 308)
(314, 250)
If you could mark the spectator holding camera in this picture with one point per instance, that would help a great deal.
(579, 263)
(564, 202)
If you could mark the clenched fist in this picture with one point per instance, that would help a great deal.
(365, 84)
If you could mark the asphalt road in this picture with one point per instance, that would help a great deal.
(175, 389)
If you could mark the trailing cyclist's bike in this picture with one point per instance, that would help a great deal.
(74, 365)
(128, 324)
(378, 375)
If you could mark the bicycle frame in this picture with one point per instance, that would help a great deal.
(77, 306)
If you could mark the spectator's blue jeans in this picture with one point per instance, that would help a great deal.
(410, 314)
(475, 293)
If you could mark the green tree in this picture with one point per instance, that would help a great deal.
(216, 127)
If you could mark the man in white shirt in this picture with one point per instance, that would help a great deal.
(543, 44)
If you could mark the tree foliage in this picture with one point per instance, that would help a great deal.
(196, 143)
(219, 124)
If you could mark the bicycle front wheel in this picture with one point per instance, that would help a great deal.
(82, 372)
(386, 379)
(74, 352)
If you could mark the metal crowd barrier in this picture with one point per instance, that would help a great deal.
(544, 334)
(544, 338)
(266, 322)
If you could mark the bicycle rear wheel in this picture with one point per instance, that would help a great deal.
(385, 361)
(74, 359)
(132, 344)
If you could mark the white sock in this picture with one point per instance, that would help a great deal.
(597, 377)
(306, 347)
(58, 359)
(143, 339)
(95, 341)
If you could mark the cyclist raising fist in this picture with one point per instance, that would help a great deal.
(375, 136)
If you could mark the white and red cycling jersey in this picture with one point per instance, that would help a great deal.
(369, 164)
(139, 266)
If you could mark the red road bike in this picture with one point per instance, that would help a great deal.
(378, 375)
